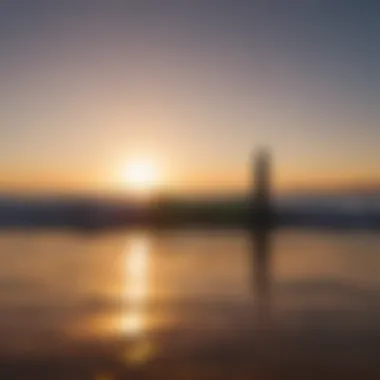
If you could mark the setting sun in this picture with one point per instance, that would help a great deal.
(141, 175)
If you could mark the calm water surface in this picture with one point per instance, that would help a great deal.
(192, 302)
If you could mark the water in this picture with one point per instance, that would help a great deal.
(189, 303)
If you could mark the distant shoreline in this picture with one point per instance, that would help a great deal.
(97, 215)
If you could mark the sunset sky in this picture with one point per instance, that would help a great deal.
(195, 86)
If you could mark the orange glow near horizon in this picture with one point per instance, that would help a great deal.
(143, 176)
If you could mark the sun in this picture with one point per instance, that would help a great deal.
(141, 175)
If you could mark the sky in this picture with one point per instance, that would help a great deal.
(196, 86)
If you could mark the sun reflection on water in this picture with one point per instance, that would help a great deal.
(136, 260)
(135, 298)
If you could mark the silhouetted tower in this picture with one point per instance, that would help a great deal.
(260, 210)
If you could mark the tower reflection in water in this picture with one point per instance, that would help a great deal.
(261, 276)
(265, 340)
(135, 298)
